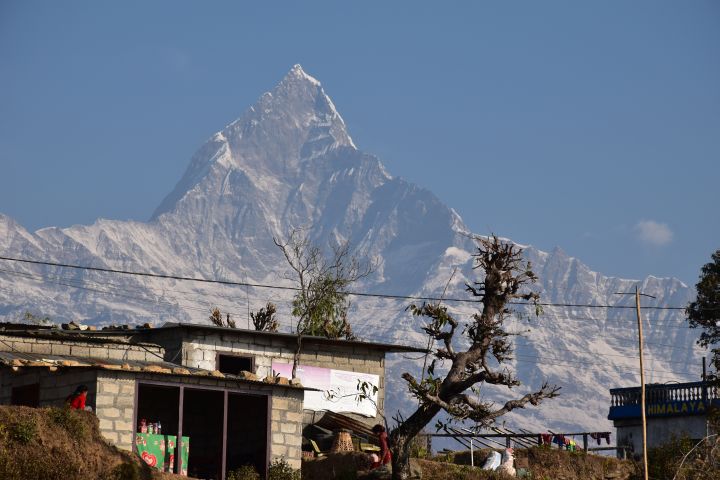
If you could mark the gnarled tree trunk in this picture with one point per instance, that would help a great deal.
(402, 437)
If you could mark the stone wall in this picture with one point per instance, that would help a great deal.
(101, 349)
(201, 352)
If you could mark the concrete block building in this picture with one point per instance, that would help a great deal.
(671, 410)
(224, 390)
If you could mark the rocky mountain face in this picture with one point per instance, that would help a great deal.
(289, 162)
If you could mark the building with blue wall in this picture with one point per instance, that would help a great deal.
(672, 410)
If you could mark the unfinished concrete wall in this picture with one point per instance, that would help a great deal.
(660, 430)
(82, 347)
(286, 423)
(115, 406)
(201, 350)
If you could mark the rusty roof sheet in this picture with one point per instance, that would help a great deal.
(17, 360)
(336, 421)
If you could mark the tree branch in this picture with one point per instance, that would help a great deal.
(546, 391)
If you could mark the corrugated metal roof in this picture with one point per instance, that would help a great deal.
(105, 335)
(388, 347)
(336, 421)
(16, 359)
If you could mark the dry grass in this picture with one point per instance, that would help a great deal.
(544, 464)
(48, 444)
(683, 459)
(563, 465)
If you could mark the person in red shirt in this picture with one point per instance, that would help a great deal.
(77, 399)
(385, 456)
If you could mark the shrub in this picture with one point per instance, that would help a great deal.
(69, 420)
(281, 470)
(246, 472)
(702, 464)
(23, 431)
(417, 451)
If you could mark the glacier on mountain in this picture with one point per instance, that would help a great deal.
(289, 162)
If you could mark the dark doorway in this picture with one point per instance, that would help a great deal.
(158, 403)
(28, 395)
(203, 412)
(247, 432)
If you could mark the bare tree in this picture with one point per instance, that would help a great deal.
(321, 303)
(216, 317)
(32, 319)
(217, 320)
(506, 278)
(230, 322)
(264, 319)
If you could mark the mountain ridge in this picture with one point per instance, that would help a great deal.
(289, 162)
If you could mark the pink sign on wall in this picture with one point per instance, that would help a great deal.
(342, 384)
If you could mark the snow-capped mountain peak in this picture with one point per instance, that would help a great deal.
(288, 161)
(287, 127)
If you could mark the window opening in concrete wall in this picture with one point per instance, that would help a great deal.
(234, 364)
(27, 395)
(247, 432)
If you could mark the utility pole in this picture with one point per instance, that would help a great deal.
(642, 375)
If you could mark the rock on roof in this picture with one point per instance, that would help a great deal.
(18, 360)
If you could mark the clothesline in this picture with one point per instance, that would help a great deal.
(562, 440)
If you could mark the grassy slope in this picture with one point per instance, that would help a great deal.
(51, 443)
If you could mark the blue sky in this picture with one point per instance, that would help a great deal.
(593, 126)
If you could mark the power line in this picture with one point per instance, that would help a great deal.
(573, 318)
(655, 373)
(60, 280)
(107, 292)
(535, 360)
(180, 305)
(585, 352)
(73, 284)
(562, 362)
(289, 288)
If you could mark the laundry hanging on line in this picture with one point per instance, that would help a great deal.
(598, 436)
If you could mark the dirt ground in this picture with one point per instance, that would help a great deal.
(50, 444)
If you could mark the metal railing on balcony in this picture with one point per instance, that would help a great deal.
(695, 396)
(660, 393)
